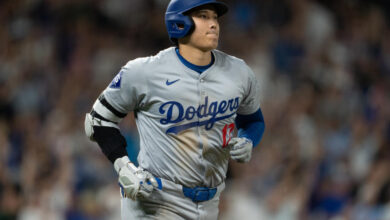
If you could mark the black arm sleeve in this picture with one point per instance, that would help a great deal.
(111, 142)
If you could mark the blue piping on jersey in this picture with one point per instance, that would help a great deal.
(177, 129)
(199, 69)
(251, 126)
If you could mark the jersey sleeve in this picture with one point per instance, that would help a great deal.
(251, 102)
(127, 89)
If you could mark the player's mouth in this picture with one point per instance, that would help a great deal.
(212, 34)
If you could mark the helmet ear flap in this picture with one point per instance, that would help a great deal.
(179, 25)
(176, 41)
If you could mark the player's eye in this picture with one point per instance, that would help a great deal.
(204, 16)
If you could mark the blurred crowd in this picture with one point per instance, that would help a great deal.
(324, 73)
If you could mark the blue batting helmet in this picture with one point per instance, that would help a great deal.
(178, 24)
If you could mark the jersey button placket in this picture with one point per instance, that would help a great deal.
(202, 90)
(200, 100)
(203, 98)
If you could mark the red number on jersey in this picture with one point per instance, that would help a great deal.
(227, 133)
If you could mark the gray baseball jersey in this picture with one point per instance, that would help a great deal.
(185, 119)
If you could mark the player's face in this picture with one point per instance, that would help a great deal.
(206, 33)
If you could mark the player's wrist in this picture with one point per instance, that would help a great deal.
(246, 140)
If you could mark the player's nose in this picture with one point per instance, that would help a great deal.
(213, 24)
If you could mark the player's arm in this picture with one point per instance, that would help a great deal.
(251, 126)
(101, 126)
(249, 122)
(250, 131)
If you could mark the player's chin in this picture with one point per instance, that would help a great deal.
(212, 40)
(208, 44)
(212, 44)
(209, 47)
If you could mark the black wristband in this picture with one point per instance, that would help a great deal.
(111, 142)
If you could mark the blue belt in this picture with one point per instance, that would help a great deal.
(197, 194)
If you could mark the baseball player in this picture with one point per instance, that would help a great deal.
(188, 100)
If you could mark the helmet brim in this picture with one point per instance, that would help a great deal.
(220, 7)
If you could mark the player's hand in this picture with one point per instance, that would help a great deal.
(241, 149)
(134, 181)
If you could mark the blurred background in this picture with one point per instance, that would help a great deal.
(323, 68)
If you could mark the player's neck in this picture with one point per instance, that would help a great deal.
(195, 55)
